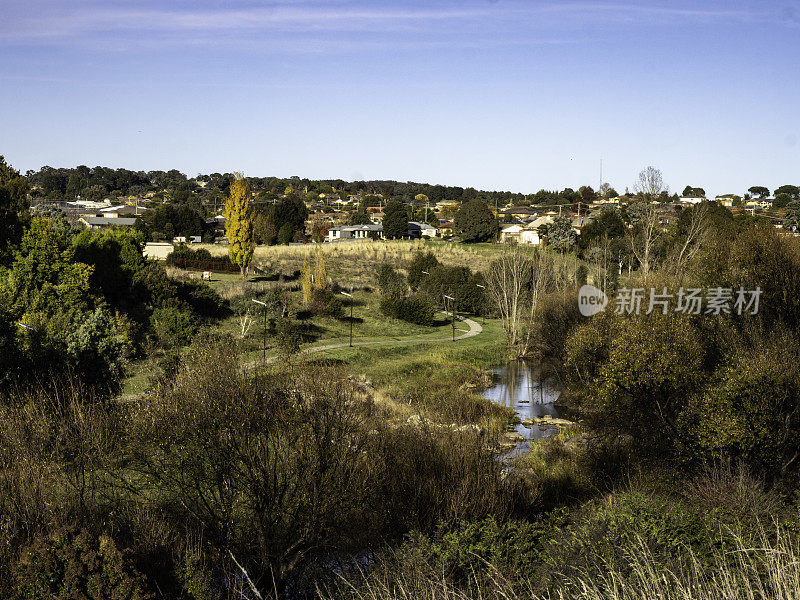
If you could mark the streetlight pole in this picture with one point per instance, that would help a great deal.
(265, 326)
(351, 316)
(483, 304)
(453, 313)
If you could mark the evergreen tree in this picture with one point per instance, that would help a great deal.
(14, 213)
(561, 235)
(395, 220)
(239, 223)
(476, 222)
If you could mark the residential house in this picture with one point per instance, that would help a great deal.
(417, 230)
(122, 210)
(525, 233)
(355, 232)
(511, 233)
(105, 222)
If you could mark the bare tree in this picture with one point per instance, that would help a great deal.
(245, 323)
(650, 184)
(508, 282)
(643, 236)
(695, 233)
(516, 283)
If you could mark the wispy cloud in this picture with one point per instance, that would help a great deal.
(110, 22)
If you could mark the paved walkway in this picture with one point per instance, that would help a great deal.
(474, 329)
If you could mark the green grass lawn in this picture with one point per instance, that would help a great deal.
(439, 379)
(369, 324)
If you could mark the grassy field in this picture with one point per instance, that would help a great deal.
(417, 374)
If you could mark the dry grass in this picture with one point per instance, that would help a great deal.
(770, 570)
(353, 262)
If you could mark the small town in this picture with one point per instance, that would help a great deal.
(381, 300)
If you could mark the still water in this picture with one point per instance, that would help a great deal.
(518, 385)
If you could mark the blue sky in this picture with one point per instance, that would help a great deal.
(495, 94)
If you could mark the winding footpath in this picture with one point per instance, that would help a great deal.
(474, 329)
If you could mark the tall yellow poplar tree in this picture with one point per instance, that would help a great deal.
(320, 272)
(239, 223)
(305, 280)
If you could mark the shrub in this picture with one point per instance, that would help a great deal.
(458, 282)
(98, 350)
(390, 282)
(479, 549)
(326, 302)
(71, 564)
(422, 261)
(288, 337)
(417, 309)
(202, 299)
(173, 326)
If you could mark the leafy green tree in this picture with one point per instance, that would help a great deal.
(561, 235)
(359, 217)
(781, 200)
(475, 222)
(792, 219)
(174, 219)
(751, 411)
(587, 194)
(792, 190)
(286, 234)
(654, 366)
(759, 190)
(98, 350)
(459, 282)
(44, 278)
(395, 220)
(75, 185)
(693, 192)
(239, 224)
(390, 282)
(115, 256)
(608, 223)
(14, 213)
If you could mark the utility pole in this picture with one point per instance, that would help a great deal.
(601, 175)
(351, 316)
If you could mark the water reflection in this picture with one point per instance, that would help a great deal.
(518, 385)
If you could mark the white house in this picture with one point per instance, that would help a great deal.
(688, 200)
(511, 233)
(355, 232)
(525, 234)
